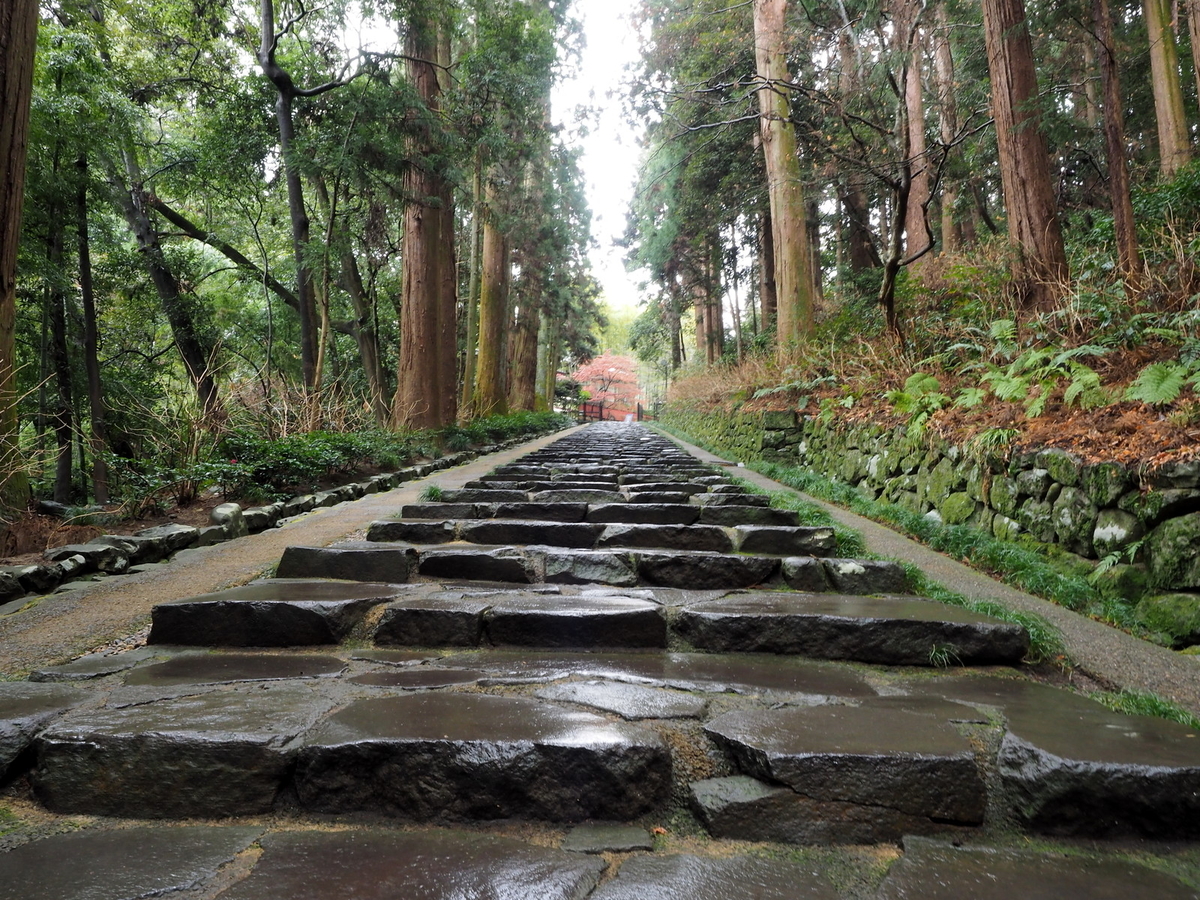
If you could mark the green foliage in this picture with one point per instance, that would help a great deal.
(1032, 377)
(919, 400)
(1144, 703)
(1161, 383)
(431, 493)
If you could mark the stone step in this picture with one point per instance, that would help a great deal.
(462, 619)
(278, 613)
(889, 631)
(751, 539)
(841, 774)
(476, 756)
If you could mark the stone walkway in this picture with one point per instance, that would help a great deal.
(600, 670)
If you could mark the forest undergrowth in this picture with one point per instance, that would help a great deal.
(1111, 372)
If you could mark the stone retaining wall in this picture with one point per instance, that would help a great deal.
(1092, 510)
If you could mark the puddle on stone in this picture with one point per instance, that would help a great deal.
(699, 878)
(630, 701)
(221, 668)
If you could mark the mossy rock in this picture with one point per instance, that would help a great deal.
(1115, 530)
(1106, 482)
(1122, 582)
(1004, 496)
(1006, 529)
(1176, 615)
(1064, 467)
(957, 508)
(1171, 553)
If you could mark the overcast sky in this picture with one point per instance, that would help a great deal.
(611, 149)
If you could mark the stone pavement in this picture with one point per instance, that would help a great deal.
(600, 670)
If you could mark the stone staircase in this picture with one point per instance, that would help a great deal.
(607, 633)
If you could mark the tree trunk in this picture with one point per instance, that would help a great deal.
(1174, 150)
(1040, 261)
(195, 352)
(286, 94)
(916, 234)
(767, 298)
(793, 280)
(419, 401)
(1124, 226)
(447, 309)
(61, 417)
(522, 360)
(1193, 17)
(493, 317)
(471, 343)
(943, 68)
(18, 38)
(91, 342)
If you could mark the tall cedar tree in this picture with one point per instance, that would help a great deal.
(1039, 265)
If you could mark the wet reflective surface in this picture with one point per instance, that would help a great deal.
(443, 865)
(417, 677)
(630, 701)
(118, 865)
(698, 878)
(215, 668)
(935, 871)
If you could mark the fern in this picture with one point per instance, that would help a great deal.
(969, 398)
(1159, 383)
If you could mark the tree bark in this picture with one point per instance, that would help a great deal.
(493, 316)
(943, 68)
(471, 343)
(793, 278)
(18, 38)
(916, 233)
(286, 93)
(1193, 17)
(522, 361)
(421, 388)
(1174, 150)
(1124, 227)
(767, 298)
(61, 418)
(98, 439)
(1040, 261)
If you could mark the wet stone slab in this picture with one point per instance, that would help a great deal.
(575, 622)
(936, 871)
(630, 701)
(700, 878)
(437, 621)
(96, 665)
(438, 511)
(643, 513)
(801, 679)
(500, 564)
(748, 515)
(1069, 766)
(471, 756)
(589, 567)
(124, 864)
(607, 838)
(435, 865)
(354, 561)
(574, 535)
(666, 537)
(810, 541)
(696, 571)
(891, 631)
(221, 753)
(395, 657)
(418, 531)
(742, 808)
(223, 668)
(268, 614)
(544, 512)
(25, 709)
(418, 678)
(874, 756)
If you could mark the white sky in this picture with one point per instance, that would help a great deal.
(610, 150)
